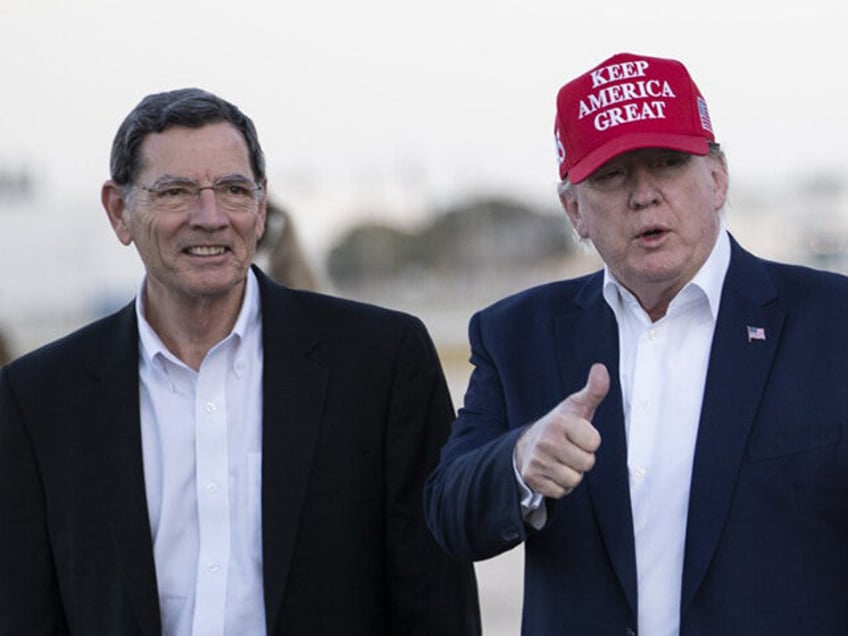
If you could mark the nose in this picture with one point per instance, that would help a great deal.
(206, 212)
(644, 191)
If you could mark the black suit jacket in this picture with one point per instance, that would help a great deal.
(355, 408)
(767, 536)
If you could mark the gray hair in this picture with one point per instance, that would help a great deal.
(190, 107)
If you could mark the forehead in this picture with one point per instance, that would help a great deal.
(209, 151)
(644, 155)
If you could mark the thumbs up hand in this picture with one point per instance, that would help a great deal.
(553, 453)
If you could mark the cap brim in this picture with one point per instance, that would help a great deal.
(686, 143)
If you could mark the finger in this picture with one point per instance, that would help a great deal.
(555, 482)
(586, 400)
(580, 454)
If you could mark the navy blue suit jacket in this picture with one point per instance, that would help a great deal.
(355, 409)
(767, 537)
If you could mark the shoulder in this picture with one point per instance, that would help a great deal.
(87, 349)
(544, 301)
(359, 340)
(803, 278)
(347, 314)
(794, 284)
(333, 318)
(761, 277)
(329, 304)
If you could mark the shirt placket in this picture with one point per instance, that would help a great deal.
(212, 496)
(644, 420)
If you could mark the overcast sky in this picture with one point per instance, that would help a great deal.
(394, 107)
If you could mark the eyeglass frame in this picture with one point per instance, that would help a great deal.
(196, 189)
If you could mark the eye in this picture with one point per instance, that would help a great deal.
(672, 159)
(171, 192)
(235, 189)
(606, 175)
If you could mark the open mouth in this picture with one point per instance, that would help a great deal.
(205, 250)
(652, 233)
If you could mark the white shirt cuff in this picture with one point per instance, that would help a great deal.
(533, 510)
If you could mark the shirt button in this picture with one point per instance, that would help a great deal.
(652, 335)
(212, 487)
(210, 407)
(640, 472)
(213, 568)
(239, 367)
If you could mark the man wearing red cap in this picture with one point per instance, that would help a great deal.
(694, 480)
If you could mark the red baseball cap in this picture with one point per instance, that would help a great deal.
(625, 103)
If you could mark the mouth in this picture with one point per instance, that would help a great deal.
(651, 234)
(205, 250)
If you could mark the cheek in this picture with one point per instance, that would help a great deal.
(602, 230)
(599, 216)
(250, 231)
(153, 235)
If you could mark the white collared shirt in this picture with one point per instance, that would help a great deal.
(202, 450)
(663, 370)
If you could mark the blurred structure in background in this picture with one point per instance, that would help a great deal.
(458, 259)
(5, 350)
(280, 252)
(464, 253)
(16, 183)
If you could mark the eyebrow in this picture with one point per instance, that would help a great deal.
(169, 179)
(233, 177)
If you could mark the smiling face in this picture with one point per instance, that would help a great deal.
(204, 250)
(653, 216)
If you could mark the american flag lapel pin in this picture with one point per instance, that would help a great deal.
(756, 333)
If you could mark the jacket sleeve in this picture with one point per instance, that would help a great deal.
(432, 593)
(29, 594)
(472, 498)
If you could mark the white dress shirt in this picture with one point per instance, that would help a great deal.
(202, 450)
(662, 370)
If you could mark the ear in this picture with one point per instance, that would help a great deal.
(568, 199)
(720, 182)
(263, 211)
(112, 198)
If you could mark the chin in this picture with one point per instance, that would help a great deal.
(213, 286)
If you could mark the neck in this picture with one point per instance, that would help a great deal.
(190, 327)
(656, 304)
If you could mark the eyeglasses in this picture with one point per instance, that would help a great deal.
(232, 195)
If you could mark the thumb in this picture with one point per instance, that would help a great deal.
(586, 400)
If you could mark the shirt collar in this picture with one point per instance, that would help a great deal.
(709, 280)
(151, 344)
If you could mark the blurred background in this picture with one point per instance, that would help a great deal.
(409, 146)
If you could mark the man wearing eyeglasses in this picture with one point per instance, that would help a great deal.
(223, 456)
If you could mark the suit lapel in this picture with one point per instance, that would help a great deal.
(117, 431)
(607, 482)
(737, 373)
(293, 400)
